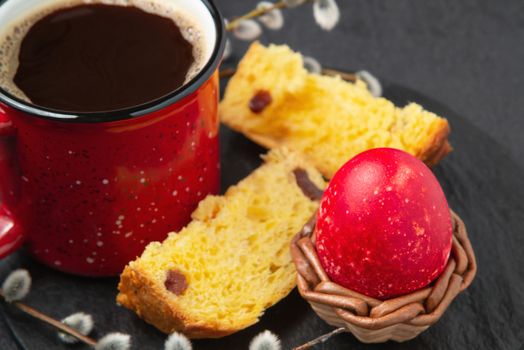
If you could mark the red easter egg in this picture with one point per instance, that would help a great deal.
(384, 226)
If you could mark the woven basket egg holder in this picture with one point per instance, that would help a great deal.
(376, 321)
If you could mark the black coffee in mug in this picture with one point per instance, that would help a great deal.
(100, 57)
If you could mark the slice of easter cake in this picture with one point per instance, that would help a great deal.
(220, 273)
(274, 101)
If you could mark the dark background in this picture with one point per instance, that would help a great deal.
(468, 56)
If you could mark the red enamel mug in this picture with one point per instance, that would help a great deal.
(86, 192)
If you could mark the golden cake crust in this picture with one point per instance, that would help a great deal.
(143, 296)
(437, 147)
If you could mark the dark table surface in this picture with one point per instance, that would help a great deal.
(468, 55)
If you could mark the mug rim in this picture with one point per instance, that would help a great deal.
(139, 110)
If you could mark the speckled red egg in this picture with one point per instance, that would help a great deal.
(384, 226)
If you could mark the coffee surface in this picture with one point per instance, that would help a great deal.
(101, 57)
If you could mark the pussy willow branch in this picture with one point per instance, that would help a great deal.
(228, 72)
(344, 75)
(256, 13)
(320, 339)
(51, 321)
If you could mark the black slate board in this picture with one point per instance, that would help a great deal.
(483, 185)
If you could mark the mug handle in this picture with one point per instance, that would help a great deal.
(11, 237)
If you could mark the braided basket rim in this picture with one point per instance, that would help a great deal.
(417, 310)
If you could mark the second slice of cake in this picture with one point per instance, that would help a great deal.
(222, 271)
(274, 101)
